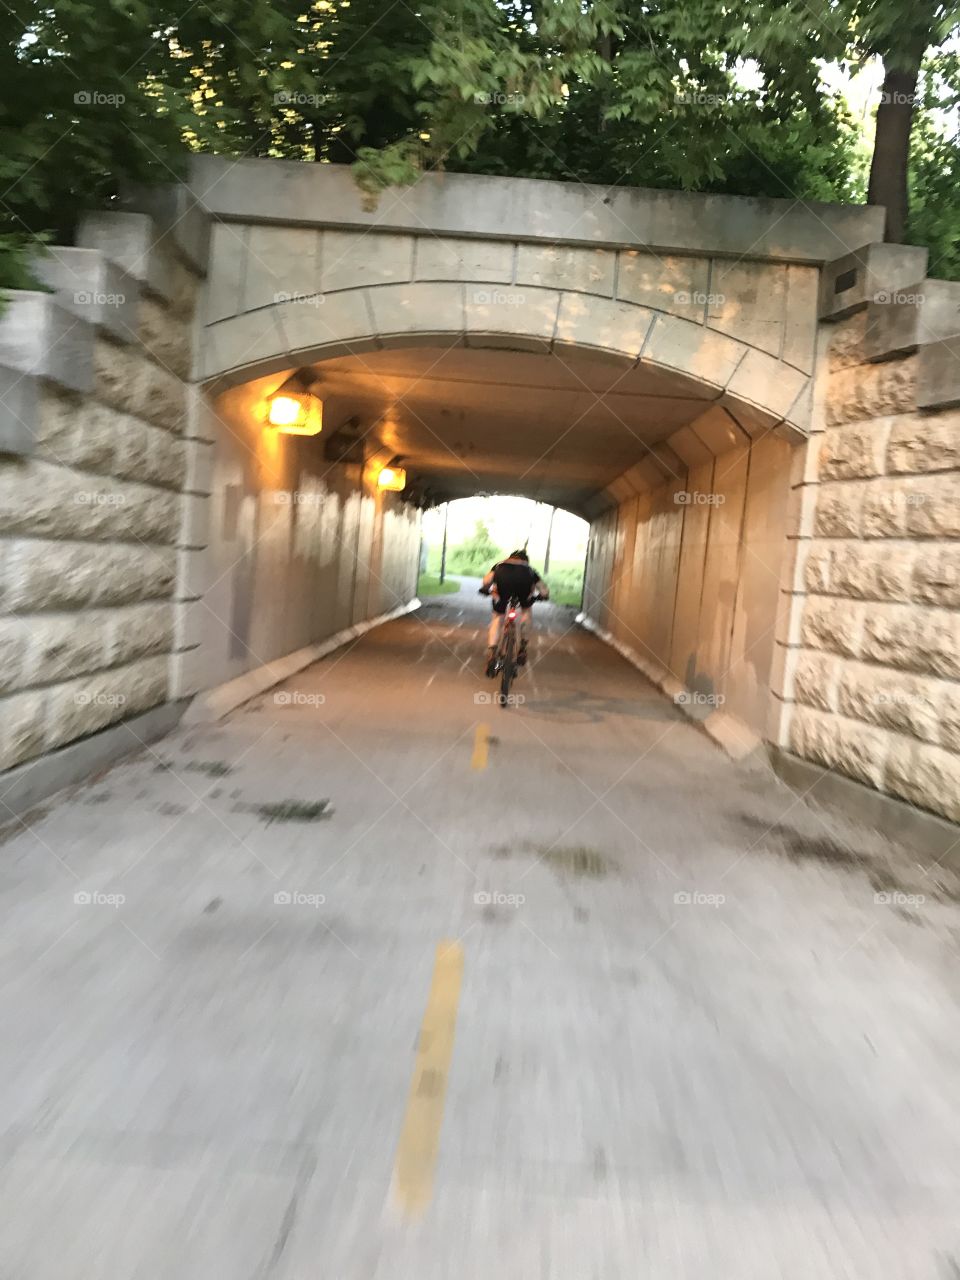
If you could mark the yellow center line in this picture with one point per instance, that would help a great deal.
(481, 744)
(420, 1136)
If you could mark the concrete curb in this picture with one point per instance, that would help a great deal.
(219, 701)
(927, 835)
(26, 785)
(730, 734)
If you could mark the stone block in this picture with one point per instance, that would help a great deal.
(889, 699)
(860, 752)
(21, 727)
(936, 575)
(747, 301)
(137, 631)
(933, 506)
(924, 442)
(282, 263)
(926, 776)
(198, 460)
(87, 705)
(832, 624)
(815, 680)
(132, 240)
(938, 374)
(92, 288)
(674, 284)
(193, 574)
(194, 520)
(904, 638)
(20, 396)
(603, 326)
(519, 319)
(64, 646)
(854, 451)
(39, 336)
(456, 258)
(765, 383)
(191, 621)
(55, 502)
(127, 380)
(14, 645)
(718, 431)
(353, 258)
(339, 325)
(690, 349)
(39, 574)
(818, 568)
(847, 343)
(886, 508)
(813, 736)
(850, 282)
(189, 673)
(78, 432)
(800, 323)
(422, 309)
(871, 391)
(839, 510)
(557, 266)
(166, 336)
(867, 572)
(257, 336)
(222, 295)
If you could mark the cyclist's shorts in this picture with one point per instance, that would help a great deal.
(500, 606)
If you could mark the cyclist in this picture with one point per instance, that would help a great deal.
(512, 579)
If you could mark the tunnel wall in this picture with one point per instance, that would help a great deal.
(293, 549)
(686, 578)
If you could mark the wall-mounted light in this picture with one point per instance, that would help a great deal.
(294, 409)
(393, 479)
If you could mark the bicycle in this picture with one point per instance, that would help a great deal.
(505, 658)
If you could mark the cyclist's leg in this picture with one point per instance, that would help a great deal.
(525, 620)
(493, 637)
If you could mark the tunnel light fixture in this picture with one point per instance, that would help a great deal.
(293, 408)
(393, 479)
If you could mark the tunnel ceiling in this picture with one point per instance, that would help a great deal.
(556, 428)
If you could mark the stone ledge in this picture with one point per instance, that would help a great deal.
(40, 336)
(19, 412)
(29, 784)
(849, 283)
(92, 288)
(930, 836)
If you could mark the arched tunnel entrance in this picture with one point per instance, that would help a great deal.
(686, 504)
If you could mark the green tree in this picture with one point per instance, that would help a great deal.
(477, 554)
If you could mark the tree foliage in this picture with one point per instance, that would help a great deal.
(696, 94)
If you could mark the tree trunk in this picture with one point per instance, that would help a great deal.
(891, 149)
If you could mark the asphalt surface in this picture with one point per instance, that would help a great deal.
(375, 980)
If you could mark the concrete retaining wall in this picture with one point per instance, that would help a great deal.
(289, 548)
(685, 578)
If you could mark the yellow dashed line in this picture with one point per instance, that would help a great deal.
(481, 744)
(420, 1136)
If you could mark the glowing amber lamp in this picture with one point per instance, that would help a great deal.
(294, 410)
(392, 478)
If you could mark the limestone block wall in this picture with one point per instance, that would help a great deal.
(685, 577)
(288, 548)
(91, 486)
(871, 647)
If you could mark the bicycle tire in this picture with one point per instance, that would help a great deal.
(508, 669)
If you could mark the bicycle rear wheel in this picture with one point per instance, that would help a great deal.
(508, 668)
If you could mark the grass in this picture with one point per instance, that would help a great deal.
(430, 585)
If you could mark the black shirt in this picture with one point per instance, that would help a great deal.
(512, 578)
